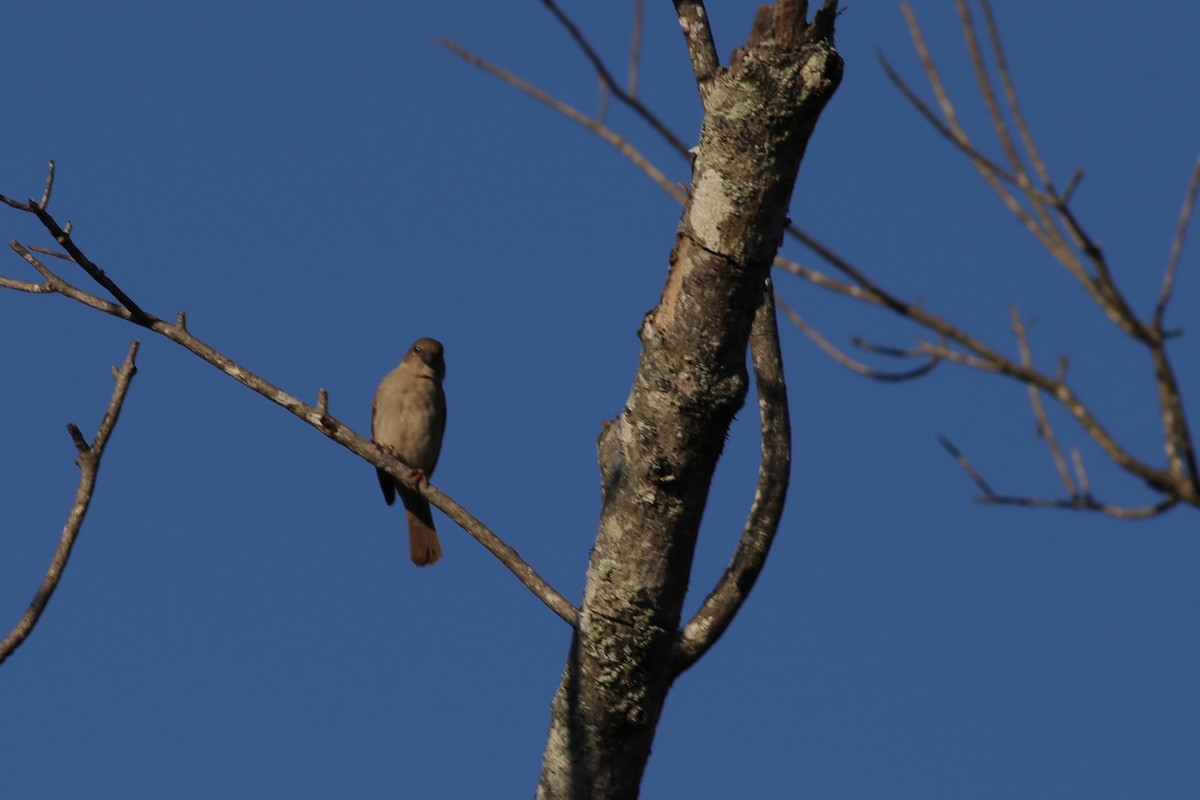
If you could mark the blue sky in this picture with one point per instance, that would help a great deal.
(317, 186)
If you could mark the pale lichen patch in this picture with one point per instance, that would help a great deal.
(711, 203)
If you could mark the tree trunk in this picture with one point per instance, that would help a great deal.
(657, 458)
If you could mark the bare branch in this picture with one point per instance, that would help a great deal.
(49, 187)
(635, 47)
(1048, 206)
(726, 599)
(1079, 502)
(702, 50)
(604, 75)
(1002, 128)
(1043, 229)
(1085, 504)
(77, 438)
(1185, 216)
(505, 553)
(848, 362)
(1057, 228)
(25, 286)
(1162, 480)
(46, 251)
(17, 204)
(1072, 185)
(1101, 287)
(617, 141)
(1181, 454)
(972, 473)
(983, 357)
(89, 468)
(1080, 473)
(1045, 430)
(1010, 98)
(885, 350)
(989, 95)
(1082, 501)
(870, 292)
(63, 237)
(329, 426)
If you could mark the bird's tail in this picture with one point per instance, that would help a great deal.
(423, 543)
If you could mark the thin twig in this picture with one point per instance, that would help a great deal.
(1010, 97)
(1044, 428)
(885, 350)
(1168, 284)
(49, 187)
(1072, 185)
(1078, 502)
(1085, 487)
(46, 251)
(973, 473)
(1084, 504)
(617, 141)
(89, 468)
(1163, 480)
(984, 82)
(992, 173)
(1102, 287)
(605, 76)
(635, 47)
(1001, 126)
(849, 363)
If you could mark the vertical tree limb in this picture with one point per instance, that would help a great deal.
(657, 458)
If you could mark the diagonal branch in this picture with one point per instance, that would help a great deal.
(608, 82)
(722, 604)
(1010, 98)
(319, 417)
(849, 363)
(89, 468)
(573, 114)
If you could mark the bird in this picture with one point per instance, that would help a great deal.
(408, 419)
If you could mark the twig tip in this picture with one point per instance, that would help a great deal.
(77, 437)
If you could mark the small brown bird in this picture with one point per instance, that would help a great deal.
(408, 418)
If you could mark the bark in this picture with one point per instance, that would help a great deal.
(657, 458)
